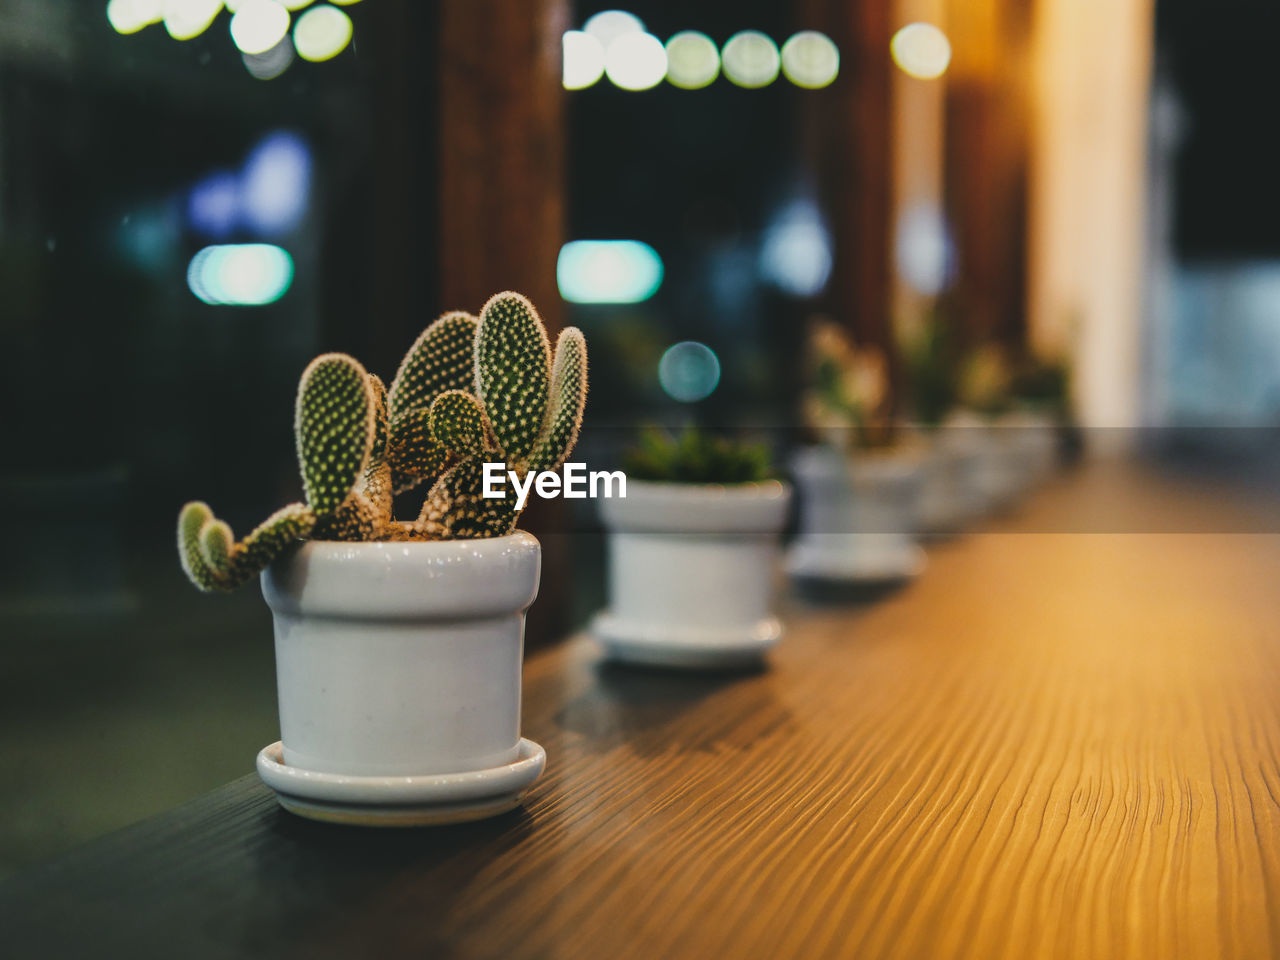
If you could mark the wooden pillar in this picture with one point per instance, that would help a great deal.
(986, 167)
(500, 184)
(501, 151)
(847, 135)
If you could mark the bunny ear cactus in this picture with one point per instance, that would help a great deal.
(468, 392)
(335, 426)
(442, 359)
(529, 405)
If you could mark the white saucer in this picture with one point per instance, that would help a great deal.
(401, 801)
(854, 567)
(687, 648)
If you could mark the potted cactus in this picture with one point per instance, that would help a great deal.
(859, 486)
(399, 643)
(692, 549)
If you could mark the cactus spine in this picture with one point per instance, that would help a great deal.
(468, 392)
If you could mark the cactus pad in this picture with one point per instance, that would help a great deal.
(458, 424)
(442, 358)
(335, 429)
(568, 399)
(513, 359)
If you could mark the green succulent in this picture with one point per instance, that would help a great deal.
(695, 456)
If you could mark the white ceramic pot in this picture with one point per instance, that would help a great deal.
(400, 662)
(691, 571)
(949, 497)
(857, 516)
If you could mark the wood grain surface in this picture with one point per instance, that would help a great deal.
(1052, 745)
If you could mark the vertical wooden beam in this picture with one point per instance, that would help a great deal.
(986, 167)
(501, 161)
(848, 139)
(501, 151)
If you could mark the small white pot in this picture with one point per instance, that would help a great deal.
(399, 662)
(691, 573)
(949, 498)
(857, 516)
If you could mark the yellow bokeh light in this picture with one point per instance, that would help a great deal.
(583, 61)
(693, 61)
(185, 19)
(921, 50)
(130, 16)
(750, 59)
(321, 33)
(810, 59)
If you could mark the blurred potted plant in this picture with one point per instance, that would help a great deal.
(860, 485)
(691, 553)
(981, 425)
(1041, 390)
(399, 643)
(948, 498)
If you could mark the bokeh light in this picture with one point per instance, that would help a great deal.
(269, 65)
(689, 371)
(796, 256)
(921, 50)
(130, 16)
(750, 59)
(608, 271)
(583, 60)
(923, 249)
(240, 274)
(636, 61)
(213, 206)
(258, 25)
(275, 183)
(185, 19)
(810, 59)
(608, 25)
(693, 61)
(322, 33)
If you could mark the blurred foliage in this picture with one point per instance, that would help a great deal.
(1043, 384)
(695, 456)
(930, 360)
(846, 402)
(985, 380)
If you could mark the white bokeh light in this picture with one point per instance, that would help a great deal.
(583, 60)
(185, 19)
(636, 61)
(258, 25)
(810, 59)
(921, 50)
(922, 249)
(608, 25)
(693, 61)
(130, 16)
(750, 59)
(796, 256)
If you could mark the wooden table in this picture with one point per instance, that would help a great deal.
(1052, 745)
